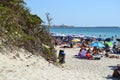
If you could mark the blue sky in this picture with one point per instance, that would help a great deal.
(79, 13)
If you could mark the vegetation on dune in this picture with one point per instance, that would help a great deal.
(20, 28)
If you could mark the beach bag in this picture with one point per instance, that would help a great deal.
(61, 56)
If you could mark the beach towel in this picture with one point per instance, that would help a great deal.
(96, 57)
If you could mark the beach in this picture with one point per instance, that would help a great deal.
(79, 44)
(30, 67)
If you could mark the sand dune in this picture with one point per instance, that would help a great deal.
(28, 67)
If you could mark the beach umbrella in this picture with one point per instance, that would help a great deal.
(108, 39)
(110, 44)
(93, 36)
(81, 35)
(100, 39)
(76, 40)
(61, 35)
(97, 44)
(118, 39)
(88, 39)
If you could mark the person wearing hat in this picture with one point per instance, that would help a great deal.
(116, 73)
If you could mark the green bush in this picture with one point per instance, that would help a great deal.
(20, 28)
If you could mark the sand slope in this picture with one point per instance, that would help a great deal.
(28, 67)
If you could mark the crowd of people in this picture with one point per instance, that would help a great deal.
(91, 52)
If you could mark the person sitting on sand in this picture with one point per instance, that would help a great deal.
(88, 54)
(83, 53)
(116, 73)
(112, 56)
(94, 51)
(80, 51)
(107, 48)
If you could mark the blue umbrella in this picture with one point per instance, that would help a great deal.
(100, 39)
(97, 44)
(108, 39)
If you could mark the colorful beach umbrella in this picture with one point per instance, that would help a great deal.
(76, 40)
(100, 39)
(81, 35)
(97, 44)
(110, 44)
(108, 39)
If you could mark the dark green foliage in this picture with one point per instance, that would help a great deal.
(50, 54)
(20, 28)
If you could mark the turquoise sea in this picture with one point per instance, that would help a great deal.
(105, 32)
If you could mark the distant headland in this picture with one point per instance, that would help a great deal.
(61, 26)
(67, 26)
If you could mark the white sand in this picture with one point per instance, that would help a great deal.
(36, 68)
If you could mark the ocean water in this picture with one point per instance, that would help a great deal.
(105, 32)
